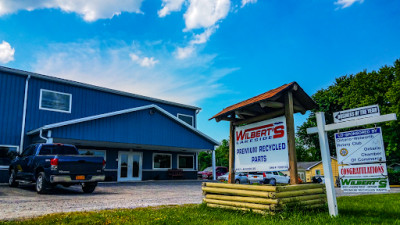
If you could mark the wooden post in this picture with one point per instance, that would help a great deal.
(291, 138)
(231, 177)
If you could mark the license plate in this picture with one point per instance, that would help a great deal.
(80, 177)
(254, 177)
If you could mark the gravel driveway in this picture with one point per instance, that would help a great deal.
(24, 202)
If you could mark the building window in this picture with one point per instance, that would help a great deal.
(55, 101)
(317, 172)
(7, 154)
(186, 162)
(162, 161)
(101, 153)
(186, 118)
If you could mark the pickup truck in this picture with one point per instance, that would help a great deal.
(50, 164)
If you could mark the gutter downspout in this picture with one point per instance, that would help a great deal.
(41, 135)
(21, 145)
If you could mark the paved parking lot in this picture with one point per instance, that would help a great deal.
(25, 202)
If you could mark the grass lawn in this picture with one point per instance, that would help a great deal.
(367, 209)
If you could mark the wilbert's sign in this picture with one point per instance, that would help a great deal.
(262, 146)
(365, 184)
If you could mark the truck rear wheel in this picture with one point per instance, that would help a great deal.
(41, 183)
(12, 180)
(88, 187)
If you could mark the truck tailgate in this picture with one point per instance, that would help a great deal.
(78, 164)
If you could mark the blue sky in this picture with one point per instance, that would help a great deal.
(208, 53)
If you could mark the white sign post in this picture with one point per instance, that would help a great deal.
(326, 163)
(262, 146)
(322, 130)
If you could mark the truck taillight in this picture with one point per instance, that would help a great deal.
(264, 175)
(104, 164)
(54, 164)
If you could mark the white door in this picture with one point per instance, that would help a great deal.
(129, 166)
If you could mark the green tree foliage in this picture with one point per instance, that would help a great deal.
(221, 156)
(204, 160)
(351, 91)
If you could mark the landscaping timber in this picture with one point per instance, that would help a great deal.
(237, 208)
(263, 197)
(243, 186)
(236, 192)
(297, 187)
(241, 204)
(302, 198)
(266, 201)
(297, 193)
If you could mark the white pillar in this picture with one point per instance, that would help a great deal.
(326, 162)
(213, 165)
(197, 161)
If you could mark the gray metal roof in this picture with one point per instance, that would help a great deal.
(307, 165)
(79, 84)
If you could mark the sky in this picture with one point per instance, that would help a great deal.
(207, 53)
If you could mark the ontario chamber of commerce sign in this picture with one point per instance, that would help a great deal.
(360, 146)
(262, 146)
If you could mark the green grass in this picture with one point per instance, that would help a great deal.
(367, 209)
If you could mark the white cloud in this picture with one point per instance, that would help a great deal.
(183, 53)
(346, 3)
(170, 6)
(143, 62)
(182, 81)
(90, 10)
(203, 37)
(190, 49)
(205, 13)
(6, 52)
(245, 2)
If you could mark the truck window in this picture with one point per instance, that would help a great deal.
(58, 150)
(28, 151)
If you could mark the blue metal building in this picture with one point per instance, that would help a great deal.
(140, 137)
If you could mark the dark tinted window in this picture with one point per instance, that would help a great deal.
(162, 161)
(7, 154)
(56, 101)
(185, 162)
(28, 151)
(58, 150)
(186, 118)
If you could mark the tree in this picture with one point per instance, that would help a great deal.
(221, 156)
(204, 160)
(351, 91)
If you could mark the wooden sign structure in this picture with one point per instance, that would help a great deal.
(284, 100)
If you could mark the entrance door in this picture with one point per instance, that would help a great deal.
(129, 166)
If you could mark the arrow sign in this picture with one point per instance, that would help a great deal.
(355, 114)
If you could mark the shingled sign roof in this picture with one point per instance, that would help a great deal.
(270, 101)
